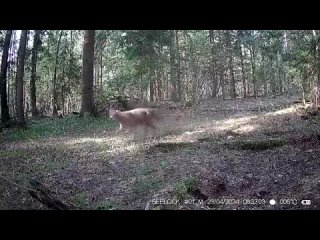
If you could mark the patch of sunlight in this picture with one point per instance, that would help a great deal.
(281, 112)
(246, 129)
(193, 132)
(106, 140)
(84, 140)
(231, 123)
(120, 149)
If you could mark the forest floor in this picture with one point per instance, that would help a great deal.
(220, 155)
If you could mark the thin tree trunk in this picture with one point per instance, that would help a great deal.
(34, 58)
(178, 66)
(172, 68)
(55, 97)
(318, 66)
(5, 116)
(279, 74)
(159, 84)
(62, 90)
(101, 68)
(222, 83)
(265, 83)
(243, 72)
(20, 75)
(252, 54)
(167, 87)
(151, 77)
(213, 66)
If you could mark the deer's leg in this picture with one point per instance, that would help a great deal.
(120, 129)
(134, 131)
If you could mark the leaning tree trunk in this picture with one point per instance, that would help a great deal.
(5, 116)
(55, 96)
(20, 75)
(87, 74)
(34, 58)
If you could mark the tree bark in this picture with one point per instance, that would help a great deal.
(87, 74)
(222, 83)
(178, 66)
(265, 83)
(213, 65)
(5, 116)
(172, 68)
(151, 76)
(252, 55)
(20, 75)
(243, 72)
(55, 96)
(34, 58)
(232, 80)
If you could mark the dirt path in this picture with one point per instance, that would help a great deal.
(246, 151)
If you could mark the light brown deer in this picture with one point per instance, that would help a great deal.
(132, 119)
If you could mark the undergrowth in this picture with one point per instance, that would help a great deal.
(69, 125)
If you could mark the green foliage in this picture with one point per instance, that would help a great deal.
(148, 184)
(107, 206)
(183, 188)
(127, 61)
(164, 164)
(69, 125)
(80, 199)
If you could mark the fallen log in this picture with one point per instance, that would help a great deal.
(44, 195)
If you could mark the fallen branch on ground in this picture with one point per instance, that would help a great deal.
(43, 195)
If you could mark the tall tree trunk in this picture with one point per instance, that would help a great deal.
(5, 116)
(194, 87)
(159, 70)
(167, 87)
(279, 73)
(232, 80)
(222, 83)
(63, 85)
(243, 72)
(101, 68)
(253, 65)
(151, 76)
(54, 93)
(34, 58)
(172, 68)
(20, 75)
(213, 66)
(151, 60)
(178, 66)
(141, 89)
(318, 66)
(265, 83)
(87, 74)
